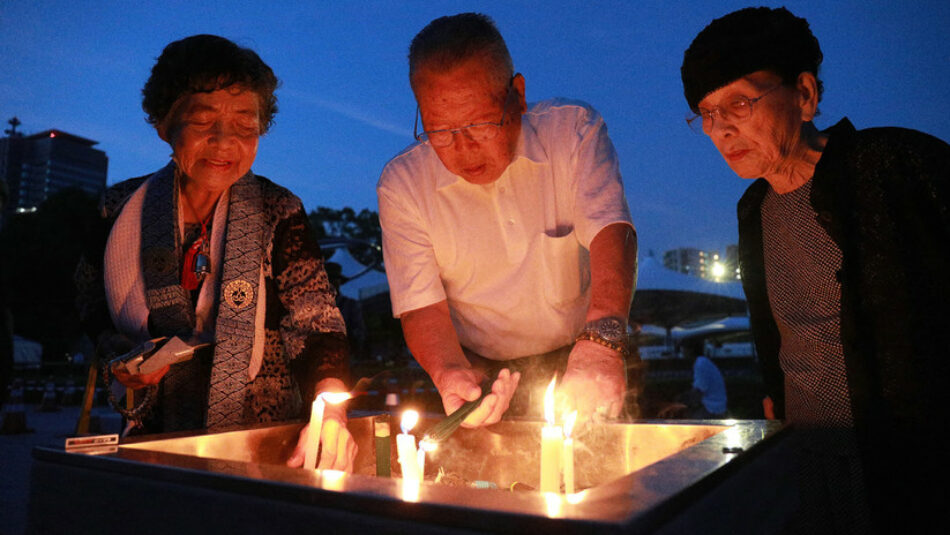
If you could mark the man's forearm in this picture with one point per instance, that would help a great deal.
(432, 340)
(613, 267)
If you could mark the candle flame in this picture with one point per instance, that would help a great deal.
(409, 420)
(569, 424)
(549, 401)
(335, 398)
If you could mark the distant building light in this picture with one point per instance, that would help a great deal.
(26, 209)
(52, 134)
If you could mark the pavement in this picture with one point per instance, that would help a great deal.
(44, 428)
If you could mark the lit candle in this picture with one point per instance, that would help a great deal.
(569, 453)
(425, 446)
(551, 445)
(406, 446)
(312, 446)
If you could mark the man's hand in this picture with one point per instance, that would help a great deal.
(457, 385)
(339, 448)
(595, 380)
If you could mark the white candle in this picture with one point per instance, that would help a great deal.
(406, 446)
(551, 445)
(569, 453)
(425, 446)
(312, 446)
(313, 433)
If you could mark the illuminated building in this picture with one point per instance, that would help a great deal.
(705, 264)
(39, 165)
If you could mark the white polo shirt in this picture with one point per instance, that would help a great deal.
(511, 257)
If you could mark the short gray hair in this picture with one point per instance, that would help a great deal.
(448, 41)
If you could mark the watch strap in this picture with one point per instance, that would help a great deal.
(619, 347)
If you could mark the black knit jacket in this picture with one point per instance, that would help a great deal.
(883, 195)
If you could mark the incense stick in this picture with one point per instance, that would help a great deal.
(448, 425)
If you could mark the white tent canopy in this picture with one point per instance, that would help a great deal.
(27, 354)
(368, 282)
(651, 275)
(724, 325)
(350, 267)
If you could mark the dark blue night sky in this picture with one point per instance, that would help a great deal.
(346, 107)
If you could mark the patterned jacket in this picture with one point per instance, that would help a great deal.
(305, 336)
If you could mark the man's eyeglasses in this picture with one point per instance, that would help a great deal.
(739, 109)
(478, 132)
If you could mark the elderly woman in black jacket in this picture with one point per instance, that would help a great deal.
(843, 245)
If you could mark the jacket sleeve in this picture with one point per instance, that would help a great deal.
(310, 325)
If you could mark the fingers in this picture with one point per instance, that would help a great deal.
(503, 388)
(297, 457)
(595, 382)
(155, 377)
(339, 448)
(456, 387)
(613, 410)
(137, 381)
(351, 450)
(494, 405)
(479, 416)
(451, 402)
(330, 442)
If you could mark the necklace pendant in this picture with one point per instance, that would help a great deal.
(195, 267)
(202, 266)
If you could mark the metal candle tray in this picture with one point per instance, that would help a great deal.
(642, 477)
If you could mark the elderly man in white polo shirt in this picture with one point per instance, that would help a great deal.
(506, 234)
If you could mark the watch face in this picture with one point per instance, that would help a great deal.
(612, 329)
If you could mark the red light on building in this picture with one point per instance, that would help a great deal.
(52, 134)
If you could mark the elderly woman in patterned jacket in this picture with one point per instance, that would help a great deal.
(206, 250)
(844, 243)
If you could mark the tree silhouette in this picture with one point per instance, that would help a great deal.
(39, 252)
(346, 223)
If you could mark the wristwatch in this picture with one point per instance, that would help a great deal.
(610, 332)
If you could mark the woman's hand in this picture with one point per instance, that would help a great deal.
(339, 448)
(135, 381)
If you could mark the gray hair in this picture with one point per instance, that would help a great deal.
(448, 41)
